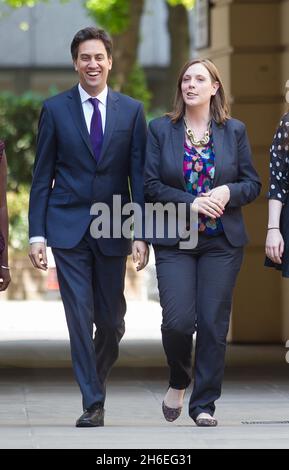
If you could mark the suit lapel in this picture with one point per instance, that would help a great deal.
(178, 138)
(218, 141)
(75, 107)
(110, 121)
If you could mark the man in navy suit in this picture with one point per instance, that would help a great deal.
(91, 147)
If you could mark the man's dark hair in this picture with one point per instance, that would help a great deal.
(90, 33)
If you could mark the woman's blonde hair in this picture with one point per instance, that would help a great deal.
(219, 105)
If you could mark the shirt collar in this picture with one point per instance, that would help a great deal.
(84, 96)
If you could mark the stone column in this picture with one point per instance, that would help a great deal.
(250, 46)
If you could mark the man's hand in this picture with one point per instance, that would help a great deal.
(4, 278)
(37, 255)
(140, 254)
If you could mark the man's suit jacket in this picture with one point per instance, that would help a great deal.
(67, 179)
(164, 178)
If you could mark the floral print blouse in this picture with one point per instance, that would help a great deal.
(199, 171)
(279, 162)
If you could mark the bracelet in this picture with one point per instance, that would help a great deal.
(5, 267)
(273, 228)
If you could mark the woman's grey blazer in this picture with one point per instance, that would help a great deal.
(164, 178)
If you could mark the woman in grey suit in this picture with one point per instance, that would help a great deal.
(199, 156)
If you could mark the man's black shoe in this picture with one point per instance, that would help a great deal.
(92, 417)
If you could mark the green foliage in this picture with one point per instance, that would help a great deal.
(26, 3)
(20, 3)
(99, 7)
(189, 4)
(155, 113)
(136, 86)
(18, 122)
(18, 219)
(113, 15)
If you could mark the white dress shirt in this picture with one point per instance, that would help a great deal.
(88, 107)
(87, 111)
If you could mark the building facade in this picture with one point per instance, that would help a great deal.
(249, 42)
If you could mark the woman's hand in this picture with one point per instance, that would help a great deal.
(221, 193)
(209, 206)
(4, 278)
(274, 247)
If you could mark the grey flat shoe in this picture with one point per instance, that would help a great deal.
(171, 414)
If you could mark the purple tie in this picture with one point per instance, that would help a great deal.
(96, 134)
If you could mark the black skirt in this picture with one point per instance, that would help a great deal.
(284, 229)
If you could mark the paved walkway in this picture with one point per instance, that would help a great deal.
(39, 400)
(38, 410)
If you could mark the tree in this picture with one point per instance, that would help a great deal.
(121, 18)
(178, 28)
